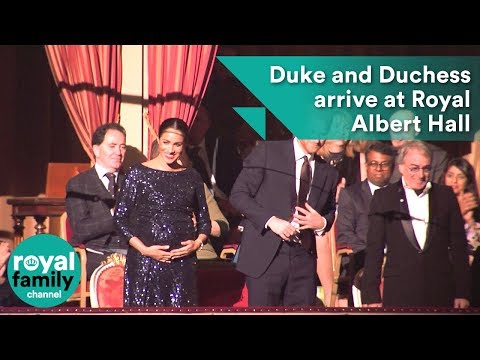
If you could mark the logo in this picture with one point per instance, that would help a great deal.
(44, 270)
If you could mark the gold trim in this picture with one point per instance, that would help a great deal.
(116, 259)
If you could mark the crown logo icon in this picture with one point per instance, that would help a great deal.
(31, 262)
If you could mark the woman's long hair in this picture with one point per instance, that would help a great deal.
(467, 169)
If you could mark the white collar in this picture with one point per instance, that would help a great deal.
(425, 191)
(373, 187)
(101, 171)
(299, 153)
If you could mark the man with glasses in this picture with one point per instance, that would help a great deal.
(439, 156)
(421, 227)
(353, 206)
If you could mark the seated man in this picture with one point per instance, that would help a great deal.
(353, 207)
(439, 156)
(90, 199)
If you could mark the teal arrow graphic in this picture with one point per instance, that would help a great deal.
(255, 117)
(360, 97)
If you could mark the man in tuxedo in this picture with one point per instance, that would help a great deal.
(439, 156)
(285, 193)
(439, 161)
(420, 225)
(353, 206)
(90, 199)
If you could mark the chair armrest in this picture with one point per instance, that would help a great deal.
(228, 251)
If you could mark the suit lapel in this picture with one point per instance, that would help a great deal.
(433, 206)
(121, 178)
(405, 219)
(98, 187)
(366, 193)
(288, 159)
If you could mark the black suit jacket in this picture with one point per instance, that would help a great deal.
(88, 205)
(352, 218)
(266, 187)
(349, 168)
(432, 276)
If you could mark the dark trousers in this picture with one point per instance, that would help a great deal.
(352, 265)
(290, 280)
(93, 261)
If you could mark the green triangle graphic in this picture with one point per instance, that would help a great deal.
(255, 117)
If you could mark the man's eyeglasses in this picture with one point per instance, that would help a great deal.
(416, 169)
(383, 165)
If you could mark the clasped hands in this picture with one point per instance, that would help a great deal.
(306, 218)
(468, 202)
(161, 253)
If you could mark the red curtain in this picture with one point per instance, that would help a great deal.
(89, 78)
(177, 79)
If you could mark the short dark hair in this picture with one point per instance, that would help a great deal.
(382, 148)
(99, 134)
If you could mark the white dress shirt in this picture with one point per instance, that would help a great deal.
(101, 171)
(418, 206)
(299, 154)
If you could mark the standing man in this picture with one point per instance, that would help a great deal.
(421, 226)
(439, 156)
(285, 193)
(91, 194)
(354, 203)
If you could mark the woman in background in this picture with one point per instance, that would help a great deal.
(460, 175)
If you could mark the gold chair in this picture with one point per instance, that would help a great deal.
(356, 293)
(340, 253)
(82, 293)
(106, 283)
(337, 256)
(58, 175)
(228, 251)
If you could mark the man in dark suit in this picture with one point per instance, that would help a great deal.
(420, 225)
(353, 206)
(439, 161)
(278, 246)
(90, 197)
(439, 156)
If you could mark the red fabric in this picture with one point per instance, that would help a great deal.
(177, 79)
(110, 287)
(89, 78)
(68, 230)
(219, 286)
(243, 301)
(340, 247)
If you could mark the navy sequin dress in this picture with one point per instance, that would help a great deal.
(157, 206)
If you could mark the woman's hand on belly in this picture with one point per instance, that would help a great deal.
(159, 253)
(188, 246)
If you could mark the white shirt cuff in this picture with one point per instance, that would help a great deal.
(266, 225)
(320, 232)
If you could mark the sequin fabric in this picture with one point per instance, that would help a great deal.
(157, 206)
